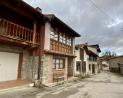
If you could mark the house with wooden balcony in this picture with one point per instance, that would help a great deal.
(59, 45)
(86, 59)
(20, 42)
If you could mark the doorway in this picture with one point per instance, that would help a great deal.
(93, 69)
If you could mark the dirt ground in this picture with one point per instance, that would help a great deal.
(103, 85)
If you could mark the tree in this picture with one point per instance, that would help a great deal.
(109, 53)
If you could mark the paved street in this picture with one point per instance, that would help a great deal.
(103, 85)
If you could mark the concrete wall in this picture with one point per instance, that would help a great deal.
(77, 54)
(96, 67)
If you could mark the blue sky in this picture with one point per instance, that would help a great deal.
(101, 24)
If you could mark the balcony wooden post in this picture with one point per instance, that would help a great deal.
(34, 32)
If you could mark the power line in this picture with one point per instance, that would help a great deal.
(101, 10)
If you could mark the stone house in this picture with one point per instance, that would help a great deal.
(20, 41)
(59, 45)
(34, 46)
(104, 62)
(86, 60)
(116, 64)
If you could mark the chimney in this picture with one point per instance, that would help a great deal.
(39, 9)
(86, 43)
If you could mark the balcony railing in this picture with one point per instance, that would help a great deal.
(14, 31)
(60, 47)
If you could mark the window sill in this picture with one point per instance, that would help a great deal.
(58, 69)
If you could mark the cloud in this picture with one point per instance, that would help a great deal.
(115, 23)
(93, 25)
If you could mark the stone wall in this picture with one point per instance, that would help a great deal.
(30, 66)
(47, 61)
(113, 64)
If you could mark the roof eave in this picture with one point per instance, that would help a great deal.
(53, 17)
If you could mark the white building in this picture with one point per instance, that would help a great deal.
(86, 59)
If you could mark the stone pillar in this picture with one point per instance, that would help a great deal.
(66, 69)
(50, 70)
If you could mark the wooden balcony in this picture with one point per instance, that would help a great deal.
(17, 33)
(60, 47)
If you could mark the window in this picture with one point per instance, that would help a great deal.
(58, 63)
(54, 35)
(92, 58)
(76, 48)
(64, 39)
(61, 38)
(69, 41)
(77, 66)
(89, 66)
(83, 67)
(60, 42)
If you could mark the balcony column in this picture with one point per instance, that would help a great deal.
(73, 45)
(34, 32)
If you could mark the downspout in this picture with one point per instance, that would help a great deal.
(40, 67)
(33, 56)
(81, 62)
(40, 57)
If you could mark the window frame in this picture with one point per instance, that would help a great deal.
(57, 63)
(54, 34)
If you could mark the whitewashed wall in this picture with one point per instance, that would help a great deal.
(47, 36)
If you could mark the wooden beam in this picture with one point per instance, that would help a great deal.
(19, 9)
(34, 32)
(20, 65)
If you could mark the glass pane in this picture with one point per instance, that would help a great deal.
(52, 33)
(61, 66)
(57, 60)
(57, 66)
(56, 37)
(60, 40)
(61, 61)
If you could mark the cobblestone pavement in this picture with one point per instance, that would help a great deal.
(103, 85)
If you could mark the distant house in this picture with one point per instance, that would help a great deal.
(104, 62)
(86, 59)
(116, 64)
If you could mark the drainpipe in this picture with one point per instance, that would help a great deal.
(40, 67)
(33, 41)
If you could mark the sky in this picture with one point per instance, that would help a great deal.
(98, 21)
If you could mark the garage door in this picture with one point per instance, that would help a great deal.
(8, 66)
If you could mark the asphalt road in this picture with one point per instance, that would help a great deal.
(103, 85)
